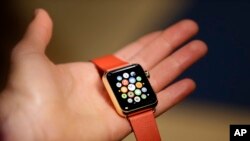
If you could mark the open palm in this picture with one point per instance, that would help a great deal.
(44, 101)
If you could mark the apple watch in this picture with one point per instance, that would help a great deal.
(131, 94)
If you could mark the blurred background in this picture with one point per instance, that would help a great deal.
(90, 28)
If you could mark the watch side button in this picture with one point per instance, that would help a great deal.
(147, 74)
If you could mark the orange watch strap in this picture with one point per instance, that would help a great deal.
(145, 126)
(107, 62)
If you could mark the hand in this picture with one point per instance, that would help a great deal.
(45, 101)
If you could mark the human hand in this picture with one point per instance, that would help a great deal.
(45, 101)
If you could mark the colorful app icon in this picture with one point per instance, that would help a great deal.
(144, 89)
(138, 92)
(131, 80)
(138, 85)
(124, 96)
(125, 75)
(131, 94)
(138, 78)
(125, 82)
(137, 99)
(130, 100)
(132, 73)
(143, 96)
(118, 84)
(131, 87)
(124, 89)
(119, 78)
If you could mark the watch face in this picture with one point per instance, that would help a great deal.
(131, 88)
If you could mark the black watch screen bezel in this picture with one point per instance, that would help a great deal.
(128, 84)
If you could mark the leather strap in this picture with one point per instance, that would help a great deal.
(108, 62)
(143, 124)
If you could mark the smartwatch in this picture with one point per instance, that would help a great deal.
(131, 94)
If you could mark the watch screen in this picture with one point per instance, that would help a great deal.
(131, 88)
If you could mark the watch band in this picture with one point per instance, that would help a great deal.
(143, 124)
(108, 62)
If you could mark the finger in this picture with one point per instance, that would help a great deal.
(130, 50)
(164, 44)
(37, 35)
(174, 94)
(174, 65)
(28, 61)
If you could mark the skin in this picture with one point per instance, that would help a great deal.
(47, 101)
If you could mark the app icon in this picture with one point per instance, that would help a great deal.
(131, 94)
(131, 80)
(137, 99)
(132, 73)
(124, 89)
(143, 96)
(130, 100)
(138, 78)
(138, 92)
(144, 89)
(125, 75)
(118, 84)
(119, 78)
(125, 82)
(138, 85)
(131, 87)
(124, 96)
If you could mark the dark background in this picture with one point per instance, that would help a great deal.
(223, 75)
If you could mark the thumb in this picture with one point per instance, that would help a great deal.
(37, 35)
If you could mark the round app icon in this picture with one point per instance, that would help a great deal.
(125, 75)
(119, 78)
(124, 89)
(131, 80)
(130, 100)
(138, 85)
(131, 87)
(143, 96)
(125, 82)
(138, 92)
(138, 78)
(118, 84)
(132, 73)
(131, 94)
(144, 89)
(137, 99)
(124, 96)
